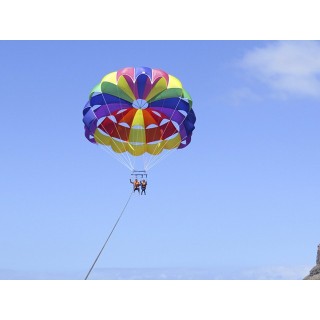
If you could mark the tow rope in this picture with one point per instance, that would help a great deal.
(108, 237)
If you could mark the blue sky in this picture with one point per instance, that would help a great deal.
(240, 202)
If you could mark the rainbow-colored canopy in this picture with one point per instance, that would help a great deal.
(139, 110)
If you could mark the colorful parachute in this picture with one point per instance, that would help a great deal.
(139, 111)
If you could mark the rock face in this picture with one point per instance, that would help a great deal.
(315, 271)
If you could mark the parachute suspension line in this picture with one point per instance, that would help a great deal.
(135, 139)
(119, 159)
(127, 153)
(160, 158)
(119, 154)
(95, 261)
(163, 155)
(127, 159)
(116, 156)
(132, 140)
(145, 162)
(152, 156)
(152, 161)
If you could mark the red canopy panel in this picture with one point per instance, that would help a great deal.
(114, 129)
(168, 129)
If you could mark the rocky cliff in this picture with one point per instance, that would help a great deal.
(315, 271)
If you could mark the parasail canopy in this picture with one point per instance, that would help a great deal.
(139, 111)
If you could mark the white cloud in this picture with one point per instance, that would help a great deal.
(243, 94)
(288, 67)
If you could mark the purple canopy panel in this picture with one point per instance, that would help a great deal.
(89, 117)
(172, 114)
(87, 135)
(182, 145)
(182, 131)
(106, 110)
(86, 108)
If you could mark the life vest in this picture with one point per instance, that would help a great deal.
(143, 184)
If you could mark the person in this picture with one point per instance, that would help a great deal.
(143, 184)
(136, 185)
